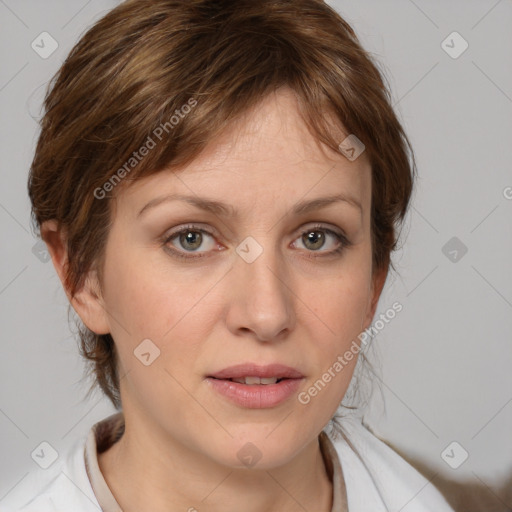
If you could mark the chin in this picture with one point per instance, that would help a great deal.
(258, 450)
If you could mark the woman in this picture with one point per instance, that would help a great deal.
(219, 185)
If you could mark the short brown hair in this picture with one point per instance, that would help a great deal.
(145, 59)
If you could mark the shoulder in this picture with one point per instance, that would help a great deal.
(62, 486)
(374, 473)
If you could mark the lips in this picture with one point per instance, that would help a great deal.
(256, 387)
(241, 371)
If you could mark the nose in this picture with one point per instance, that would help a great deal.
(261, 298)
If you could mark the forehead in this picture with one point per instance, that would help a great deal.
(267, 155)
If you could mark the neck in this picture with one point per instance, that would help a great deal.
(153, 472)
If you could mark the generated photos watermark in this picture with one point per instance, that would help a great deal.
(149, 144)
(342, 361)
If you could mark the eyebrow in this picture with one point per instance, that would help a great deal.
(223, 209)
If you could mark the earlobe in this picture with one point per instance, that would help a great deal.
(89, 306)
(87, 301)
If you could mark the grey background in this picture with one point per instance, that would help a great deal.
(444, 361)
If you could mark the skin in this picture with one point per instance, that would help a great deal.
(298, 304)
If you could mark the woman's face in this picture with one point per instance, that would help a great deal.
(263, 280)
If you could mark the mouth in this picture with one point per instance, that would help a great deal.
(252, 374)
(252, 381)
(251, 395)
(256, 387)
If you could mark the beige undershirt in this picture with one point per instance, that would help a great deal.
(108, 431)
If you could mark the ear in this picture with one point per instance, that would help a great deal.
(378, 280)
(87, 301)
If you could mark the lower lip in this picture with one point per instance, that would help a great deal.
(257, 396)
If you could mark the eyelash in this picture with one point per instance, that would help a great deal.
(344, 242)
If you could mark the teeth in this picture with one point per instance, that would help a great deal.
(256, 380)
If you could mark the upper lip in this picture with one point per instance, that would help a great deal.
(253, 370)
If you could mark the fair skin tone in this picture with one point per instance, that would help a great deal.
(299, 303)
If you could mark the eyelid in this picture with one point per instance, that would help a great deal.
(192, 226)
(168, 236)
(343, 239)
(335, 231)
(320, 226)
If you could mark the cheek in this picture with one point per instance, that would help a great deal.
(342, 301)
(334, 330)
(152, 300)
(175, 315)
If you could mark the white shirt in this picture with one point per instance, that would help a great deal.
(365, 472)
